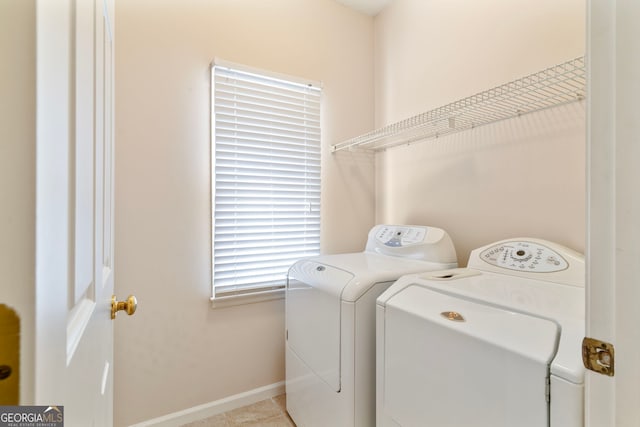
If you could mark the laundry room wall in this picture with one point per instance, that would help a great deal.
(177, 352)
(520, 177)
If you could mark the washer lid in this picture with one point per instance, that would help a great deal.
(562, 303)
(455, 361)
(532, 337)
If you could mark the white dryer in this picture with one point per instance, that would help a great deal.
(330, 321)
(496, 344)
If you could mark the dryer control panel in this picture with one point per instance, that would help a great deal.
(395, 236)
(418, 242)
(524, 256)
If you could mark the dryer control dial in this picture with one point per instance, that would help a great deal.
(524, 256)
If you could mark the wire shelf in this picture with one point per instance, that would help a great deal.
(554, 86)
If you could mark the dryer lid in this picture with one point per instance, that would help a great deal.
(358, 272)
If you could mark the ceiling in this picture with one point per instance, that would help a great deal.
(370, 7)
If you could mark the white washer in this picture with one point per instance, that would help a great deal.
(330, 321)
(495, 344)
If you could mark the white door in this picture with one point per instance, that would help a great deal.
(613, 246)
(74, 209)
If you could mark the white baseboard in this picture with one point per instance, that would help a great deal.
(216, 407)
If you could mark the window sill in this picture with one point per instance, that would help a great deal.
(243, 299)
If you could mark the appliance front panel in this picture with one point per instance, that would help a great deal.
(313, 319)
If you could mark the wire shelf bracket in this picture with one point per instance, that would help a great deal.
(561, 84)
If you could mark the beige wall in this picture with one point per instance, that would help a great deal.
(17, 174)
(521, 177)
(177, 352)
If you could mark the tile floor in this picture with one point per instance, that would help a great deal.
(266, 413)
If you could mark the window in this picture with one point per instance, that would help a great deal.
(265, 179)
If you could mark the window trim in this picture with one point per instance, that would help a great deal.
(247, 298)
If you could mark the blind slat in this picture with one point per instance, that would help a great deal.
(266, 166)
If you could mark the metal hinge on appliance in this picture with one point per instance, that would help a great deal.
(547, 389)
(598, 356)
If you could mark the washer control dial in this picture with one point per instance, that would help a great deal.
(524, 256)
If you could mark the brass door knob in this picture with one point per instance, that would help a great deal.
(129, 306)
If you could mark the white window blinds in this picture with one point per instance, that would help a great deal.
(266, 179)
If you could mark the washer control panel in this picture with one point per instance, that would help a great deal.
(524, 256)
(396, 236)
